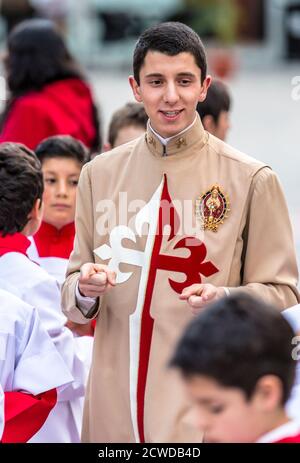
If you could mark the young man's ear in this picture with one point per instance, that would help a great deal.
(205, 86)
(268, 393)
(135, 89)
(34, 218)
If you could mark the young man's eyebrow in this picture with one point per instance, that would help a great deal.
(186, 74)
(154, 74)
(180, 74)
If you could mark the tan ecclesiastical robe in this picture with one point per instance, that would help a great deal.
(247, 244)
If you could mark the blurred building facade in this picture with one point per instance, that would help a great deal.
(102, 32)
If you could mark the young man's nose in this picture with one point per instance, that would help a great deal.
(171, 94)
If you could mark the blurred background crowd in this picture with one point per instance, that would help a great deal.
(254, 46)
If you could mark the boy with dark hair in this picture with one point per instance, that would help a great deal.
(127, 123)
(171, 39)
(236, 360)
(16, 159)
(164, 225)
(214, 110)
(62, 158)
(21, 189)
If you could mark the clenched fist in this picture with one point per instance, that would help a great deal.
(95, 279)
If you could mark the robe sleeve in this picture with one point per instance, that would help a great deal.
(269, 268)
(45, 295)
(36, 355)
(83, 250)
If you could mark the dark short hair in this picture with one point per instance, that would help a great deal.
(62, 146)
(217, 100)
(235, 342)
(170, 38)
(21, 184)
(132, 114)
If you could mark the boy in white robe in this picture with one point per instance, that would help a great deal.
(31, 371)
(21, 189)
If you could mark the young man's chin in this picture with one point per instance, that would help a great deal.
(167, 131)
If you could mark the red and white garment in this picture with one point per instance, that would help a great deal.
(34, 286)
(288, 433)
(51, 248)
(32, 372)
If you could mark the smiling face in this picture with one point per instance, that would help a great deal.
(61, 177)
(170, 88)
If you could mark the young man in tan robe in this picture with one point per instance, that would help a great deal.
(164, 225)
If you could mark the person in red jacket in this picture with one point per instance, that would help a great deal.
(48, 93)
(238, 361)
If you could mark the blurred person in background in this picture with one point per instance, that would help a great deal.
(238, 368)
(127, 123)
(214, 110)
(48, 92)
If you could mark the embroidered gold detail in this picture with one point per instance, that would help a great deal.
(152, 141)
(212, 207)
(181, 142)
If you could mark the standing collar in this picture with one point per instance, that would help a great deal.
(165, 141)
(164, 147)
(14, 243)
(48, 230)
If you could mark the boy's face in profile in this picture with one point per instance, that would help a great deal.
(219, 129)
(223, 125)
(61, 177)
(170, 88)
(128, 133)
(225, 415)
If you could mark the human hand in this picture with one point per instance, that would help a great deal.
(199, 295)
(95, 279)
